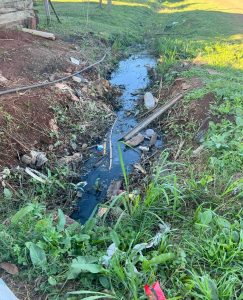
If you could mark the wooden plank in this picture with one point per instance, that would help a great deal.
(46, 35)
(3, 2)
(152, 117)
(17, 4)
(7, 10)
(17, 16)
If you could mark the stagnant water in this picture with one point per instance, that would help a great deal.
(132, 74)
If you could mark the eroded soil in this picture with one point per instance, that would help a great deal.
(41, 118)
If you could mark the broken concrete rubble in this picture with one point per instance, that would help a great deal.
(71, 161)
(34, 158)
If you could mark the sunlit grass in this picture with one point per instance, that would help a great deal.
(205, 5)
(223, 55)
(120, 3)
(79, 17)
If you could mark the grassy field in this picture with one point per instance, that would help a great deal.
(185, 228)
(124, 23)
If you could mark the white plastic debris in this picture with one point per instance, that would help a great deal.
(5, 292)
(110, 252)
(143, 148)
(77, 79)
(155, 241)
(36, 175)
(74, 61)
(149, 100)
(149, 132)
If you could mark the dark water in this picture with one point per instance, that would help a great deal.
(132, 74)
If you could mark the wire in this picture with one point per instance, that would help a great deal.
(37, 85)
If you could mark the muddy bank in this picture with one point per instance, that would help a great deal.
(56, 119)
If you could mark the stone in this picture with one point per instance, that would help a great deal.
(38, 158)
(41, 159)
(75, 158)
(26, 159)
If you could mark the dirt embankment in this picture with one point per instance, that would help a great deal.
(56, 119)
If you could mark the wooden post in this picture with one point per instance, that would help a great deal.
(47, 10)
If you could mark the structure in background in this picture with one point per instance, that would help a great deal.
(17, 12)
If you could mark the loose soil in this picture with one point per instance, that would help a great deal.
(26, 119)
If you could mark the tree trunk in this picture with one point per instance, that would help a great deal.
(109, 3)
(100, 3)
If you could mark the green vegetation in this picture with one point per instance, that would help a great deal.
(121, 26)
(185, 229)
(193, 252)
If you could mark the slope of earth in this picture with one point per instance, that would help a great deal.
(41, 118)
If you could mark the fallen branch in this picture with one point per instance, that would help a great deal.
(46, 35)
(152, 117)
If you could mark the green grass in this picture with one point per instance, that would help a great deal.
(214, 47)
(194, 254)
(124, 23)
(184, 227)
